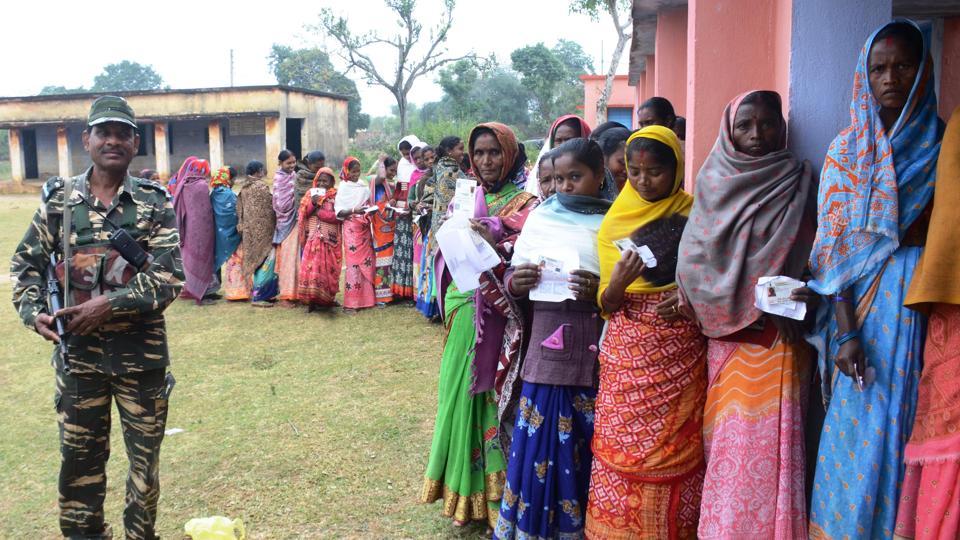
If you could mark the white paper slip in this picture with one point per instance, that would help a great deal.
(370, 209)
(465, 252)
(773, 296)
(398, 209)
(556, 264)
(465, 198)
(317, 192)
(646, 255)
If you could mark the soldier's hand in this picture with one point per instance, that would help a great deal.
(45, 327)
(88, 316)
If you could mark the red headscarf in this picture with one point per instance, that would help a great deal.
(582, 124)
(345, 170)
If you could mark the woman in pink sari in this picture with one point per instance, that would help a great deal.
(357, 240)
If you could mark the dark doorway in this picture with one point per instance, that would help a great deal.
(28, 138)
(294, 129)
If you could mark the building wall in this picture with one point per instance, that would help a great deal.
(732, 47)
(47, 164)
(189, 114)
(622, 96)
(824, 52)
(243, 141)
(671, 66)
(324, 124)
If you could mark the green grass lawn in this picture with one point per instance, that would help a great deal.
(303, 425)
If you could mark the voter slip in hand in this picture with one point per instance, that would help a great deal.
(647, 256)
(465, 252)
(773, 296)
(556, 264)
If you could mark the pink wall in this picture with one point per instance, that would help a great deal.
(732, 46)
(623, 95)
(950, 68)
(671, 62)
(783, 19)
(649, 77)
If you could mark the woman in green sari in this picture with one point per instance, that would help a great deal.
(467, 465)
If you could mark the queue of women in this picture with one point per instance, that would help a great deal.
(657, 400)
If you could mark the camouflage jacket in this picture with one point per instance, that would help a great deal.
(134, 339)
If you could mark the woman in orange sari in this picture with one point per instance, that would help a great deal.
(383, 223)
(647, 443)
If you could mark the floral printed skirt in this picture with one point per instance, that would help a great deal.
(548, 473)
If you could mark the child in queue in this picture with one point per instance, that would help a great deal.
(548, 473)
(545, 176)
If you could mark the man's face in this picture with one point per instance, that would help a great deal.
(112, 146)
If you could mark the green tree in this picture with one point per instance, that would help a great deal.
(57, 90)
(458, 81)
(574, 58)
(548, 80)
(400, 78)
(621, 15)
(500, 96)
(312, 69)
(126, 76)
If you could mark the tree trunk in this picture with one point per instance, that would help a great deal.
(402, 111)
(611, 73)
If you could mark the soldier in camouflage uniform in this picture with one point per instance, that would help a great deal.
(116, 336)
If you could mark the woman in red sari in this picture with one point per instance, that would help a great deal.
(358, 242)
(319, 277)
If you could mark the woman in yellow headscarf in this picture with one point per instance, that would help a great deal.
(648, 450)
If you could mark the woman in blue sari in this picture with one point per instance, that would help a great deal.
(224, 202)
(877, 181)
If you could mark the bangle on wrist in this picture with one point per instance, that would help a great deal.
(840, 299)
(847, 336)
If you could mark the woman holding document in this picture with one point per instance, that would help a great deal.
(753, 216)
(555, 263)
(466, 466)
(350, 205)
(647, 450)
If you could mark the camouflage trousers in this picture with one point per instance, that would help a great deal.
(83, 409)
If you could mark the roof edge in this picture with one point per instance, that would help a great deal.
(214, 90)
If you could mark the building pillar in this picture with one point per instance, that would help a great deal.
(216, 144)
(17, 163)
(950, 67)
(670, 75)
(275, 134)
(823, 57)
(161, 149)
(650, 77)
(722, 63)
(64, 156)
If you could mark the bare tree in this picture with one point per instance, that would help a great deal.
(623, 22)
(356, 49)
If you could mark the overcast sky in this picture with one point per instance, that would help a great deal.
(188, 42)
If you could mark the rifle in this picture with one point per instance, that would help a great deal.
(55, 304)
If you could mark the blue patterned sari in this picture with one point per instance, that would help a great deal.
(874, 185)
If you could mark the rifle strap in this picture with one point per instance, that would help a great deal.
(67, 232)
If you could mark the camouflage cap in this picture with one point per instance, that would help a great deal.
(111, 109)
